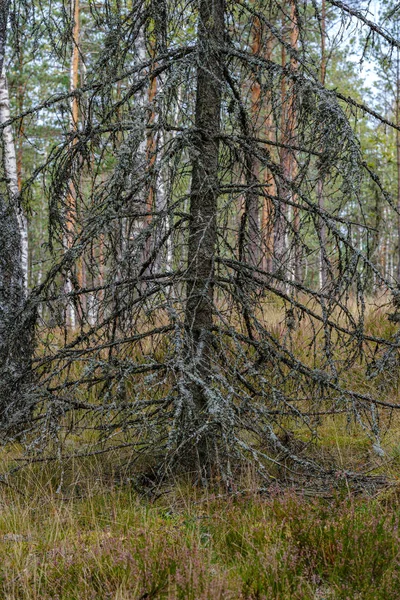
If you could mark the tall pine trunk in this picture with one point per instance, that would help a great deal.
(71, 201)
(252, 163)
(267, 213)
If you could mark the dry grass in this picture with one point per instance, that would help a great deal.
(93, 532)
(195, 544)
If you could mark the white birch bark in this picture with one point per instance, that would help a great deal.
(10, 168)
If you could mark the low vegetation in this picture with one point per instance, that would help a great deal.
(102, 528)
(182, 543)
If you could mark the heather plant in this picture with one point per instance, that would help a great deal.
(115, 544)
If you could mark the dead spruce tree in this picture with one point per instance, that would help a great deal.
(202, 235)
(199, 224)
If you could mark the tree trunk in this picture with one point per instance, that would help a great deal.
(15, 327)
(398, 159)
(253, 164)
(323, 271)
(267, 214)
(16, 340)
(11, 173)
(291, 135)
(280, 225)
(155, 191)
(71, 209)
(288, 255)
(4, 10)
(203, 207)
(21, 129)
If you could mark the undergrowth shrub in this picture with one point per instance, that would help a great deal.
(194, 546)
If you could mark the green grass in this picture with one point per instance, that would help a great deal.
(191, 544)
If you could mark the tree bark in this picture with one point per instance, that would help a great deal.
(288, 255)
(203, 203)
(280, 225)
(71, 208)
(15, 327)
(155, 192)
(253, 164)
(4, 10)
(11, 173)
(267, 213)
(16, 324)
(292, 124)
(398, 159)
(323, 271)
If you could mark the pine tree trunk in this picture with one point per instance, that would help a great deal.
(287, 252)
(253, 164)
(71, 208)
(155, 192)
(267, 215)
(15, 326)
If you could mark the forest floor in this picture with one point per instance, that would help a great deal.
(98, 539)
(94, 533)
